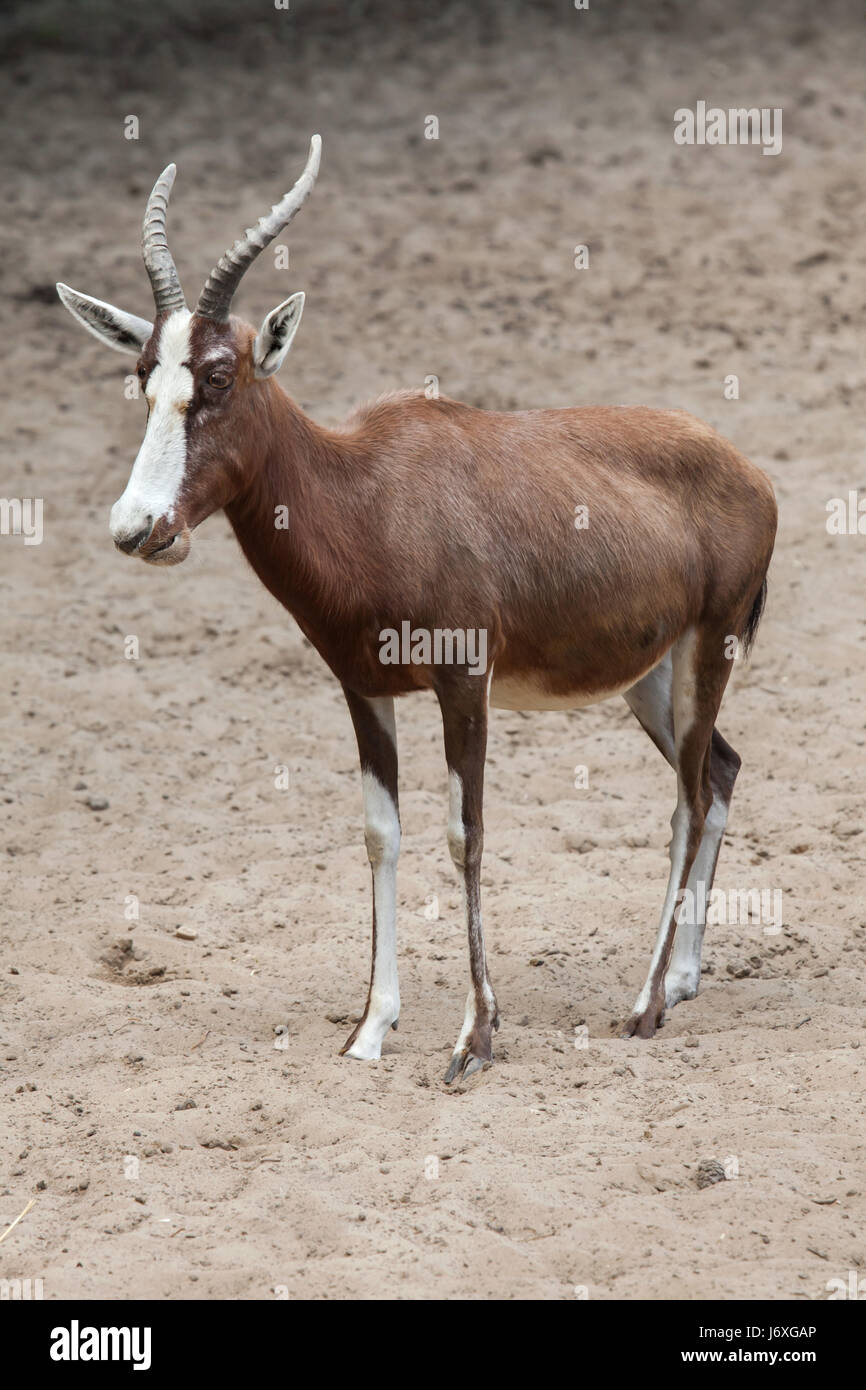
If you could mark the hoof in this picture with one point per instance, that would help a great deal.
(463, 1065)
(364, 1043)
(360, 1052)
(644, 1025)
(472, 1053)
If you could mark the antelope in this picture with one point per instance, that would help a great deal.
(450, 519)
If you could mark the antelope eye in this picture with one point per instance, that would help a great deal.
(220, 380)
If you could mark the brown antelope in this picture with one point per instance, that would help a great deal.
(430, 519)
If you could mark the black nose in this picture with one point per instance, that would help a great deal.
(131, 543)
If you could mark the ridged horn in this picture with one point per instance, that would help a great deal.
(215, 300)
(158, 260)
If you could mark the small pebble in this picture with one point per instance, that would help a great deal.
(739, 969)
(710, 1171)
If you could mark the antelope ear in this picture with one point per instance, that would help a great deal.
(119, 330)
(275, 335)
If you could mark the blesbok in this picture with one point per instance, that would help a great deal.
(431, 519)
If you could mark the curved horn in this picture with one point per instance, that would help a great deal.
(215, 300)
(158, 260)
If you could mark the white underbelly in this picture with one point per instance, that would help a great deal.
(525, 693)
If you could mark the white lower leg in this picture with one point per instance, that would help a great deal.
(684, 970)
(679, 844)
(382, 833)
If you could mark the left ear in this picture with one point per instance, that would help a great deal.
(275, 335)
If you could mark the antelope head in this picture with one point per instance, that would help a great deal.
(200, 373)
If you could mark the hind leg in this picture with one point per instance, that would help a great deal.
(651, 702)
(684, 970)
(677, 704)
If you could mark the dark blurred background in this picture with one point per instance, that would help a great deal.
(192, 29)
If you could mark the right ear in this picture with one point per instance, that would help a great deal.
(124, 332)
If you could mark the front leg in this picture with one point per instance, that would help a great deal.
(377, 744)
(464, 716)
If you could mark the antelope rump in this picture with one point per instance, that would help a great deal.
(450, 519)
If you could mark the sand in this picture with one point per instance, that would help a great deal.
(176, 1146)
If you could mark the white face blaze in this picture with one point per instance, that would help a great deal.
(157, 474)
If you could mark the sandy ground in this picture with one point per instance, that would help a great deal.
(174, 1146)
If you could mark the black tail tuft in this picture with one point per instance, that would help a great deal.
(754, 618)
